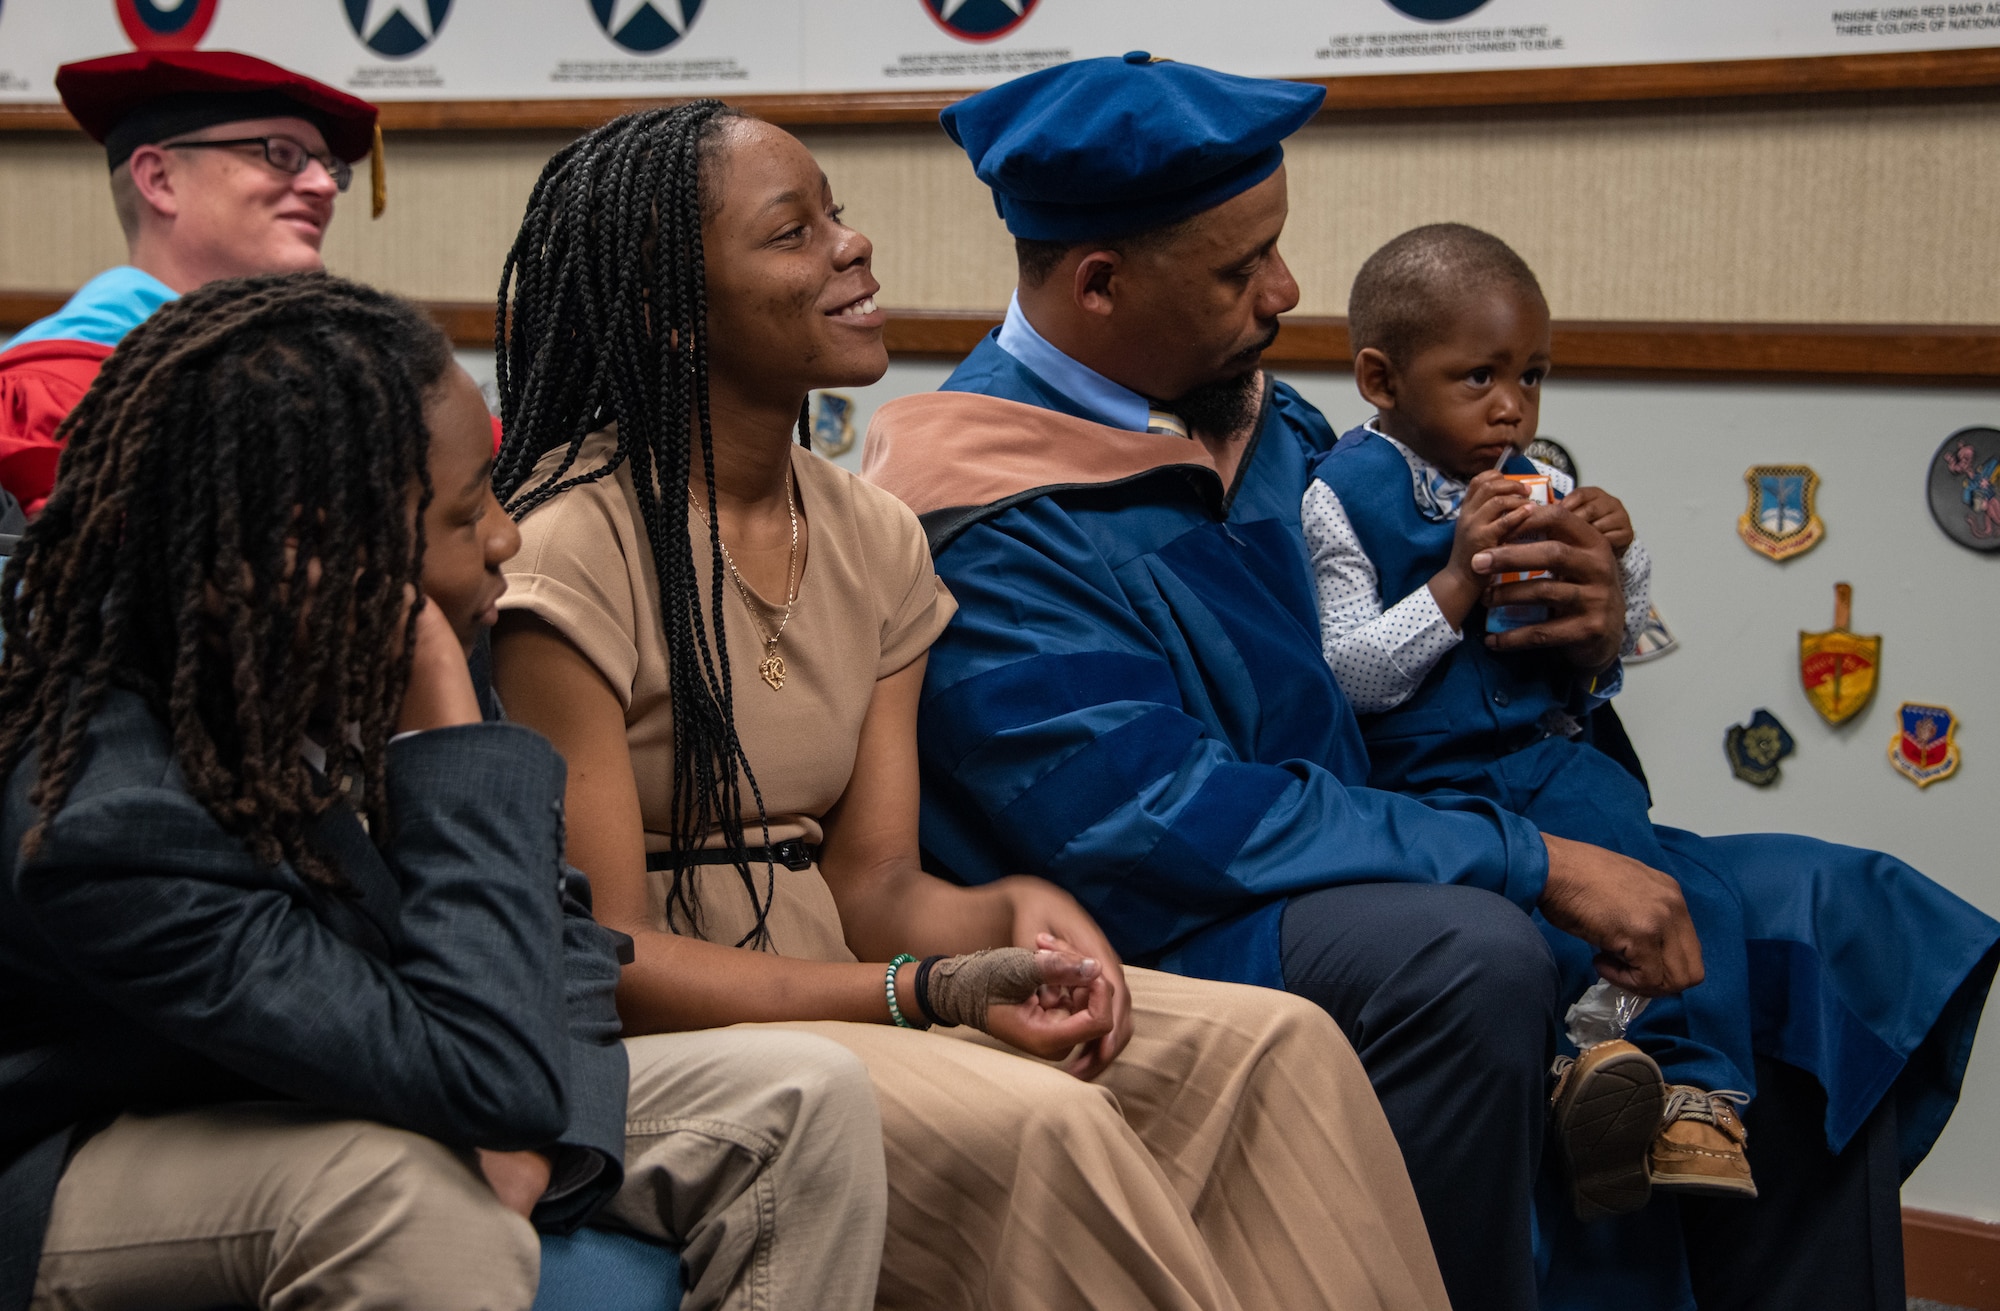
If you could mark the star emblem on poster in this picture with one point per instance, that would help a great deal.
(166, 24)
(645, 27)
(396, 29)
(1436, 11)
(979, 20)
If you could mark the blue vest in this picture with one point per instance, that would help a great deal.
(1474, 706)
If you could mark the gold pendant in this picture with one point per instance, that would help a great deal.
(773, 669)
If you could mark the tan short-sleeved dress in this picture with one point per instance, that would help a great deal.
(868, 604)
(1234, 1156)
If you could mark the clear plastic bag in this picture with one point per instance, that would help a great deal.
(1602, 1014)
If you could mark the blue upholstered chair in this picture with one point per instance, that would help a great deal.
(597, 1270)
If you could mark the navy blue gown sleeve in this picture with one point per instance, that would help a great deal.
(1069, 729)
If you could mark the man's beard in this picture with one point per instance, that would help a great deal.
(1227, 406)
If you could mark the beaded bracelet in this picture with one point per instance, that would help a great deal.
(889, 988)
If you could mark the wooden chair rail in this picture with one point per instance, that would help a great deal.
(1882, 353)
(1921, 70)
(1907, 354)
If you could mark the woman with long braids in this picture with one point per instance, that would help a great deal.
(302, 1007)
(725, 636)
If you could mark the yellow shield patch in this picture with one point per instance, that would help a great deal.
(1837, 668)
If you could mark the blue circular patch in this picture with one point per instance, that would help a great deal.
(646, 30)
(167, 20)
(161, 25)
(1435, 11)
(980, 20)
(396, 37)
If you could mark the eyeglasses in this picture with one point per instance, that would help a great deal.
(281, 153)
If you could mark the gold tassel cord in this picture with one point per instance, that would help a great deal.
(378, 176)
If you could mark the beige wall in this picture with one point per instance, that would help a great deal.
(1885, 211)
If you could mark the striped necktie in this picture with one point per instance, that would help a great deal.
(1161, 421)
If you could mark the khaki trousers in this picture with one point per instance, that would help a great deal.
(1233, 1157)
(759, 1153)
(275, 1205)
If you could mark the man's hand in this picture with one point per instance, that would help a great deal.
(1604, 512)
(1631, 913)
(1048, 919)
(1586, 598)
(518, 1179)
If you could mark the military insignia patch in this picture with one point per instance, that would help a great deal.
(1754, 749)
(1837, 668)
(1555, 455)
(397, 29)
(166, 24)
(1654, 639)
(1922, 750)
(1780, 522)
(980, 20)
(832, 423)
(1965, 488)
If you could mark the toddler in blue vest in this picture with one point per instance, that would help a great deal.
(1451, 335)
(1838, 961)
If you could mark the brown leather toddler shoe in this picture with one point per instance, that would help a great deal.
(1607, 1108)
(1700, 1148)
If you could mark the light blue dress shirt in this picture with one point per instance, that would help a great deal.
(1109, 403)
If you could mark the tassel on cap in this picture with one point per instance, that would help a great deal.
(378, 176)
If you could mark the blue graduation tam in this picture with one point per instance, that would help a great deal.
(1105, 147)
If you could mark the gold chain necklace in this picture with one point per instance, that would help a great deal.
(772, 667)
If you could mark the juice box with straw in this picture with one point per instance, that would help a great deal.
(1501, 618)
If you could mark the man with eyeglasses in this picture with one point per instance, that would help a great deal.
(222, 166)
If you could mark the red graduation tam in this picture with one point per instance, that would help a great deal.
(130, 100)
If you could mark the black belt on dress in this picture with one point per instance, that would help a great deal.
(792, 853)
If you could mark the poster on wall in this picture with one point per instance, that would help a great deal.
(585, 49)
(433, 49)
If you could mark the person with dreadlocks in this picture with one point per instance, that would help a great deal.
(725, 636)
(304, 1007)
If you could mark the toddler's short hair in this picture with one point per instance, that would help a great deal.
(1405, 294)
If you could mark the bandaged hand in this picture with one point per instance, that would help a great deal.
(962, 987)
(1046, 1002)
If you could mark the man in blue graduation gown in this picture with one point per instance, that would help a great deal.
(1132, 699)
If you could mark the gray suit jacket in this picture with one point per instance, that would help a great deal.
(460, 990)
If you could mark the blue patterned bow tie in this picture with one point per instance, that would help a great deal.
(1439, 495)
